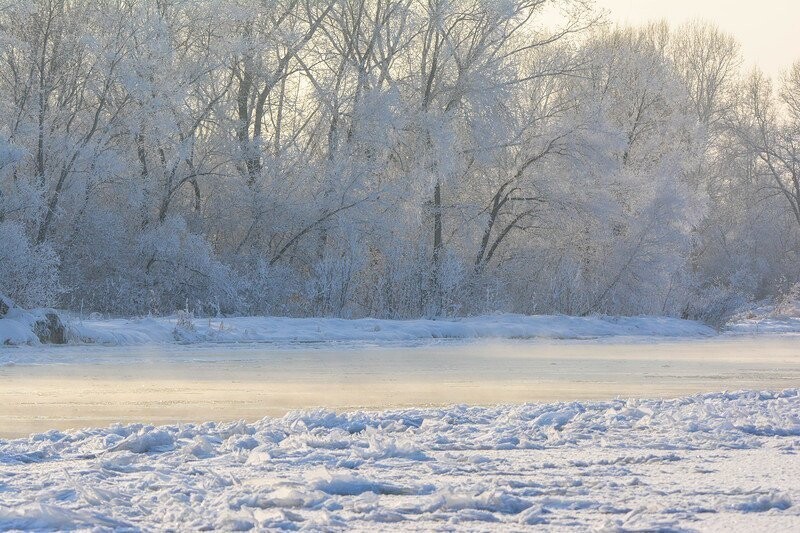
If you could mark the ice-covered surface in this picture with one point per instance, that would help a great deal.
(282, 330)
(45, 387)
(726, 461)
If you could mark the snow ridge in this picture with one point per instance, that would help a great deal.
(613, 465)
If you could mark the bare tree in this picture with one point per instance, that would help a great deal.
(772, 136)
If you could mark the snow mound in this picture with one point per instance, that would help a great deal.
(760, 503)
(688, 463)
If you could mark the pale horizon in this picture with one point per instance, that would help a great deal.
(767, 31)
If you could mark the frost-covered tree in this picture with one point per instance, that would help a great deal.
(389, 158)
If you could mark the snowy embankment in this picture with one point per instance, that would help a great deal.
(769, 325)
(770, 318)
(303, 330)
(712, 461)
(765, 319)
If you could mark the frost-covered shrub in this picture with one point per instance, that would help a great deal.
(713, 304)
(185, 320)
(453, 284)
(179, 266)
(334, 287)
(28, 271)
(789, 302)
(100, 266)
(270, 289)
(398, 282)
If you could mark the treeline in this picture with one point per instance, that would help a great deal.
(392, 158)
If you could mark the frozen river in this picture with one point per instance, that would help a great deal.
(71, 387)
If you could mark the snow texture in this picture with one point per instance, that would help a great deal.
(768, 317)
(765, 325)
(115, 332)
(17, 326)
(711, 461)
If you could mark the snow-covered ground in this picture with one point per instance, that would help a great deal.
(16, 328)
(764, 324)
(114, 332)
(766, 318)
(713, 461)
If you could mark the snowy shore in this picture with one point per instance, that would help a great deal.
(16, 329)
(708, 462)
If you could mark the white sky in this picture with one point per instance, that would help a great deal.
(768, 30)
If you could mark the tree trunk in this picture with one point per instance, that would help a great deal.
(437, 248)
